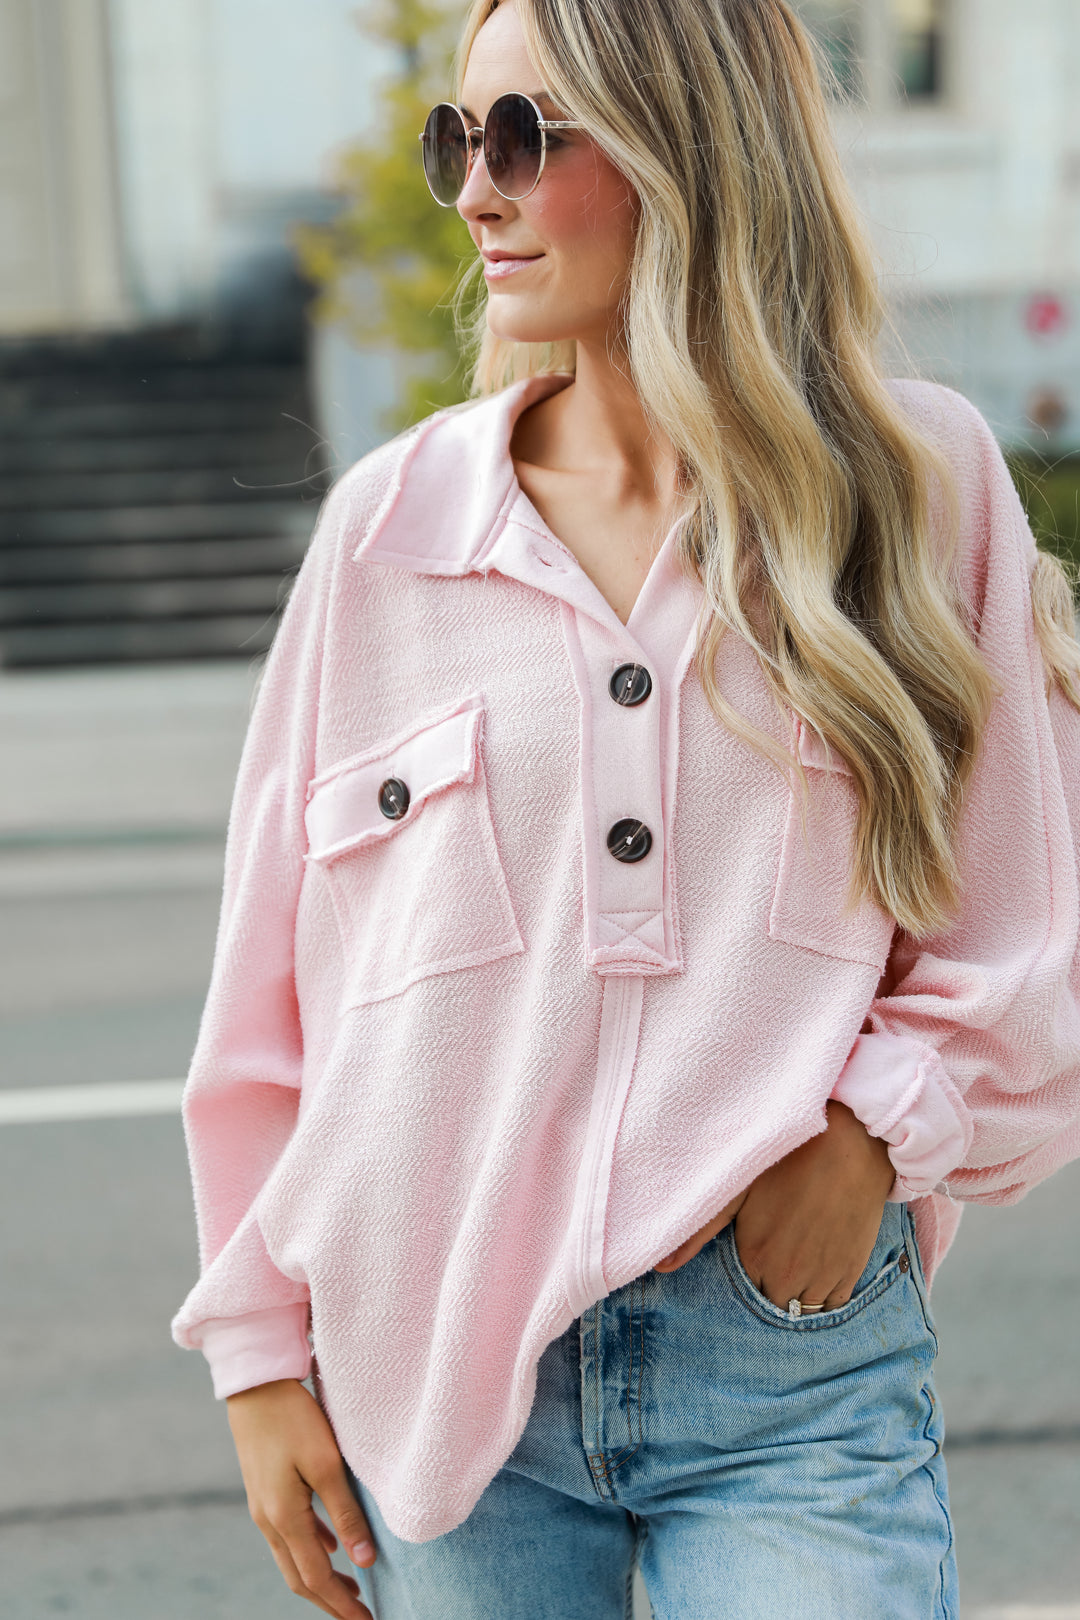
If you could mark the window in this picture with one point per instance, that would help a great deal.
(887, 53)
(917, 46)
(838, 25)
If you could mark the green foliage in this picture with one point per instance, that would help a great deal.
(390, 225)
(1050, 494)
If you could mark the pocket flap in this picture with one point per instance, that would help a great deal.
(343, 802)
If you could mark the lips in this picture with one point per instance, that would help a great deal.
(506, 264)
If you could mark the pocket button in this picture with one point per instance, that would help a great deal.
(904, 1262)
(393, 798)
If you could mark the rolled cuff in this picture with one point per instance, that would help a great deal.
(257, 1348)
(900, 1090)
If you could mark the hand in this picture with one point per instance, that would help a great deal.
(807, 1226)
(287, 1451)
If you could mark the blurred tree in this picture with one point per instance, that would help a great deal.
(387, 265)
(1049, 490)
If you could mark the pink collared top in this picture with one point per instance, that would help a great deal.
(464, 1066)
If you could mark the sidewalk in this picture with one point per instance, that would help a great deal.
(118, 778)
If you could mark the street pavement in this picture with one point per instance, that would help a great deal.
(119, 1492)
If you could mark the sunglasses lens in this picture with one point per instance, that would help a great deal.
(446, 153)
(512, 145)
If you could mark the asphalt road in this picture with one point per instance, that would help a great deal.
(119, 1492)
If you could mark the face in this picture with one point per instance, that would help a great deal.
(575, 229)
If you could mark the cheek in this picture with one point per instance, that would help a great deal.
(594, 217)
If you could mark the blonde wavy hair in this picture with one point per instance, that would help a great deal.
(823, 524)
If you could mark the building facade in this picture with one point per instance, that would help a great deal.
(963, 144)
(153, 154)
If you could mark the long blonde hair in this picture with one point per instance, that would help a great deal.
(825, 525)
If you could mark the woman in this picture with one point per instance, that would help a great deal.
(651, 895)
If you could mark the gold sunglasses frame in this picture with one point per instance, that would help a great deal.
(544, 124)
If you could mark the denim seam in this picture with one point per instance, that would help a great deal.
(815, 1323)
(628, 1593)
(640, 1537)
(937, 1497)
(595, 1453)
(597, 1377)
(598, 1468)
(919, 1278)
(632, 1400)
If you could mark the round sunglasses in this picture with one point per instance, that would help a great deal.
(514, 139)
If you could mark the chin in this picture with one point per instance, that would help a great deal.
(502, 324)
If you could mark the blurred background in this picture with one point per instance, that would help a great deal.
(221, 281)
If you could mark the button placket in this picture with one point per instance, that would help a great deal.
(629, 840)
(628, 749)
(622, 805)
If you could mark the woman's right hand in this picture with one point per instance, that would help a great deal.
(287, 1451)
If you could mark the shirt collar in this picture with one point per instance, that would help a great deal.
(454, 483)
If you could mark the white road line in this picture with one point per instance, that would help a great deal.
(1031, 1611)
(123, 1099)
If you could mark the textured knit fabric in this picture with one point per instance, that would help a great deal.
(461, 1071)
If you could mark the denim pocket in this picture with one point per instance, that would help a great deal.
(889, 1261)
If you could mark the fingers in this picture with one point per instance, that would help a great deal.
(329, 1604)
(783, 1274)
(781, 1284)
(346, 1515)
(784, 1286)
(286, 1450)
(806, 1228)
(304, 1562)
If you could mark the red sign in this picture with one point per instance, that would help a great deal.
(1046, 315)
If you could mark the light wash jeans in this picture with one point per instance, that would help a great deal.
(755, 1466)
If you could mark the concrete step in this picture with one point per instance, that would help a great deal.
(50, 646)
(153, 418)
(287, 444)
(41, 605)
(173, 522)
(279, 479)
(157, 492)
(167, 559)
(122, 385)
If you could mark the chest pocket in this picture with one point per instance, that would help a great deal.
(810, 897)
(404, 836)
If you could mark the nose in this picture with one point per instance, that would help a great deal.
(478, 197)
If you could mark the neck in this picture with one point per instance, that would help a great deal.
(597, 426)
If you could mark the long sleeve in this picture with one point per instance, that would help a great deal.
(969, 1060)
(241, 1099)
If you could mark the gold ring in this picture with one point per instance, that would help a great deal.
(801, 1307)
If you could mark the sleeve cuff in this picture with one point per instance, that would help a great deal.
(257, 1348)
(900, 1090)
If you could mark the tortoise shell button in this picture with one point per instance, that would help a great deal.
(904, 1262)
(629, 840)
(393, 798)
(630, 685)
